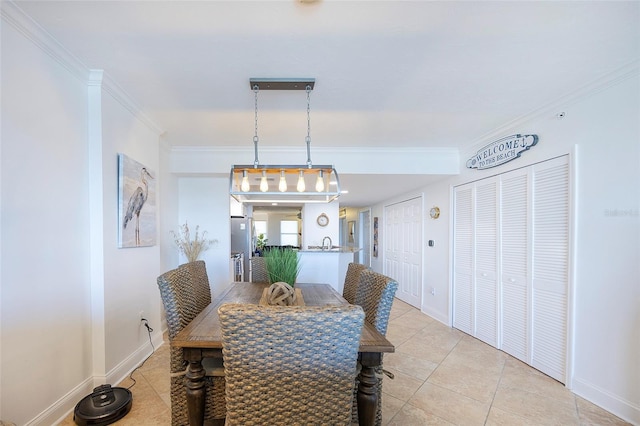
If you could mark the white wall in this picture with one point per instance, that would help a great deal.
(45, 219)
(168, 208)
(312, 233)
(204, 201)
(604, 126)
(607, 290)
(130, 274)
(70, 298)
(435, 274)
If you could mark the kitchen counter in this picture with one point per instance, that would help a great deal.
(334, 249)
(326, 266)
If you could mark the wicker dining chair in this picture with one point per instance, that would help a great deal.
(200, 279)
(375, 294)
(351, 280)
(287, 365)
(184, 290)
(259, 270)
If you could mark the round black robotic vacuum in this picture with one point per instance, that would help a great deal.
(104, 406)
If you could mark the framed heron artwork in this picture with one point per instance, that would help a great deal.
(136, 204)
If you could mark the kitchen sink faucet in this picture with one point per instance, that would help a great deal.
(330, 243)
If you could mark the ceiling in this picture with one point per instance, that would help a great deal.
(428, 74)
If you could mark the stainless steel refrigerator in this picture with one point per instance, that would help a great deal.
(241, 244)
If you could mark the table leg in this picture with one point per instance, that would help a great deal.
(368, 388)
(195, 389)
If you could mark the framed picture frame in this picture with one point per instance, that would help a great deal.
(375, 237)
(352, 231)
(136, 204)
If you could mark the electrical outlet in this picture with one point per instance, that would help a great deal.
(142, 315)
(433, 291)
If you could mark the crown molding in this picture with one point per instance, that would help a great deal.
(25, 25)
(604, 82)
(123, 98)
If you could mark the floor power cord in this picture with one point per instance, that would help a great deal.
(153, 349)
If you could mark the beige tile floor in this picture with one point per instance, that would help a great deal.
(442, 377)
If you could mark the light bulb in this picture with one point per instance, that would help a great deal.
(282, 186)
(320, 181)
(301, 186)
(264, 186)
(244, 186)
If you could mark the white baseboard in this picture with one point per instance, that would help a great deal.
(622, 408)
(64, 406)
(438, 316)
(122, 370)
(57, 412)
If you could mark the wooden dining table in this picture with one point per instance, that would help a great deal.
(202, 338)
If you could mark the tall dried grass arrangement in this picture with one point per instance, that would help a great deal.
(192, 248)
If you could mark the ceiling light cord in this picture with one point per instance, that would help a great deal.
(308, 138)
(256, 88)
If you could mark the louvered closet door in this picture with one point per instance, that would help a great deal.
(515, 263)
(463, 264)
(550, 267)
(511, 257)
(486, 261)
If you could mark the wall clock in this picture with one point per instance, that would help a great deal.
(434, 212)
(323, 220)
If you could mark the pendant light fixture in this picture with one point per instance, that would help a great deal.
(251, 183)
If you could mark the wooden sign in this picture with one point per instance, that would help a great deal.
(501, 151)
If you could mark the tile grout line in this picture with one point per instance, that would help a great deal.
(504, 365)
(405, 403)
(431, 373)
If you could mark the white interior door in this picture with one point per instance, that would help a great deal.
(403, 249)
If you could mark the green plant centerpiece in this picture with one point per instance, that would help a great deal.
(283, 267)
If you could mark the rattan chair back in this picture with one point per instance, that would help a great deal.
(351, 280)
(185, 292)
(259, 270)
(200, 280)
(176, 292)
(375, 294)
(287, 365)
